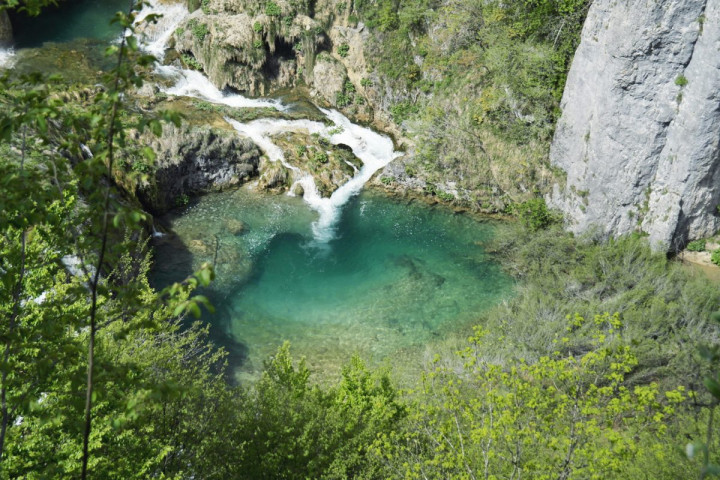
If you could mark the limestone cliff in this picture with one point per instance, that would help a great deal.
(640, 126)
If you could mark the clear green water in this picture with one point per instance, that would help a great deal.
(400, 278)
(72, 20)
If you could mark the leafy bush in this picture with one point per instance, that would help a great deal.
(257, 27)
(258, 43)
(320, 157)
(534, 214)
(445, 196)
(696, 246)
(199, 30)
(272, 9)
(681, 81)
(205, 6)
(715, 257)
(191, 61)
(300, 150)
(403, 110)
(562, 416)
(343, 50)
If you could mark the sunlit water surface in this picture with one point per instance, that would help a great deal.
(398, 278)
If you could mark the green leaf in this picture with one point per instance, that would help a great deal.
(713, 387)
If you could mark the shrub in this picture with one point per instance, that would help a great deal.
(191, 62)
(205, 6)
(300, 150)
(681, 81)
(445, 196)
(320, 157)
(342, 99)
(534, 214)
(715, 257)
(199, 30)
(343, 50)
(696, 246)
(403, 110)
(258, 43)
(272, 9)
(257, 27)
(386, 180)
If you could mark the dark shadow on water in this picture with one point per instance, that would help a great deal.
(173, 263)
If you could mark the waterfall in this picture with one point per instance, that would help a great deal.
(373, 149)
(7, 57)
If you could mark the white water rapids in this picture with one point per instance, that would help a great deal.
(373, 149)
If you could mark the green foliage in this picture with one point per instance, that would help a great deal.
(445, 196)
(343, 49)
(297, 430)
(534, 214)
(386, 180)
(257, 27)
(258, 43)
(272, 9)
(403, 110)
(664, 308)
(320, 157)
(365, 82)
(205, 6)
(715, 257)
(681, 81)
(300, 150)
(561, 416)
(198, 29)
(191, 62)
(696, 245)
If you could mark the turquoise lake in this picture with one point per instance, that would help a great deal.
(71, 21)
(400, 278)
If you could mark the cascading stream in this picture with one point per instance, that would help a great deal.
(373, 149)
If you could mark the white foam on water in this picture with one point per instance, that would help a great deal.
(191, 83)
(156, 35)
(7, 57)
(373, 149)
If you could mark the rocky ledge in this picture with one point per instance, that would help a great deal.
(194, 160)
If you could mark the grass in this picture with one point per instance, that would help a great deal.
(663, 307)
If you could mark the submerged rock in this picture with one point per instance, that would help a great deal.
(234, 226)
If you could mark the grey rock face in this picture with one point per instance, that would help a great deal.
(194, 160)
(6, 32)
(638, 137)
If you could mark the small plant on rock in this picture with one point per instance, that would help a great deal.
(715, 257)
(272, 9)
(343, 50)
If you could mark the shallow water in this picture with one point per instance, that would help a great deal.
(71, 21)
(398, 278)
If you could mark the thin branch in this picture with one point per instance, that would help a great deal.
(101, 259)
(17, 293)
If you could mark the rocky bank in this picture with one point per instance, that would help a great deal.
(194, 159)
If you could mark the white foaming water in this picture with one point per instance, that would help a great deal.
(7, 57)
(191, 83)
(156, 35)
(373, 149)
